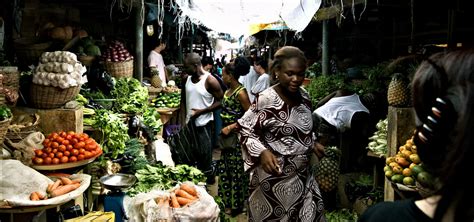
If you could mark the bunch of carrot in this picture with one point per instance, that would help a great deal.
(180, 197)
(61, 186)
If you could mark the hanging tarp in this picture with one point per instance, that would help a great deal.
(246, 17)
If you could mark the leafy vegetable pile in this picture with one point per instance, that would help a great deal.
(131, 96)
(114, 132)
(342, 215)
(162, 177)
(5, 113)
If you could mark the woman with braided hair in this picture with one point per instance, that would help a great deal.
(443, 98)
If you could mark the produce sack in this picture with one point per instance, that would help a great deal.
(15, 192)
(143, 207)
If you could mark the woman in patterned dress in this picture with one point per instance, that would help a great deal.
(277, 139)
(233, 181)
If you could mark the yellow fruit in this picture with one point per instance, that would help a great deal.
(406, 172)
(406, 154)
(402, 148)
(413, 149)
(402, 162)
(412, 165)
(408, 181)
(387, 168)
(397, 170)
(393, 164)
(390, 160)
(415, 158)
(409, 142)
(389, 174)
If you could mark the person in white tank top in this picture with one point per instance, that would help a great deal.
(201, 95)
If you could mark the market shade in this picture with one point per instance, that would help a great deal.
(239, 17)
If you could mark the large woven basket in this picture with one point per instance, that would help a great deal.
(49, 97)
(29, 50)
(16, 133)
(120, 69)
(4, 128)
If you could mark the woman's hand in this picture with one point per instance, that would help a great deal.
(226, 130)
(269, 163)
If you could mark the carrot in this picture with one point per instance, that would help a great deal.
(191, 190)
(49, 188)
(65, 180)
(55, 185)
(40, 196)
(76, 181)
(183, 201)
(64, 189)
(34, 196)
(185, 194)
(174, 201)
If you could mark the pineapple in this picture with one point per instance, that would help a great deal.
(398, 94)
(155, 78)
(327, 171)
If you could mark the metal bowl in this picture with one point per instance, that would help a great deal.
(118, 181)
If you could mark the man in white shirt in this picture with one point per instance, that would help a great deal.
(263, 81)
(155, 61)
(248, 81)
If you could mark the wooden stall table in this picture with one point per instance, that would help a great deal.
(376, 168)
(166, 114)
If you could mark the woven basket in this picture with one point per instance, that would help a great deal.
(86, 60)
(49, 97)
(11, 77)
(120, 69)
(17, 134)
(29, 50)
(4, 128)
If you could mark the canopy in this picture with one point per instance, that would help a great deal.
(247, 17)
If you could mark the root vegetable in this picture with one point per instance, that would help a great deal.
(184, 201)
(40, 196)
(76, 181)
(174, 201)
(34, 196)
(56, 185)
(189, 189)
(185, 194)
(65, 180)
(49, 187)
(64, 189)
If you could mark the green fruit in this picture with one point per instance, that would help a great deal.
(425, 179)
(408, 181)
(389, 174)
(397, 178)
(416, 170)
(386, 168)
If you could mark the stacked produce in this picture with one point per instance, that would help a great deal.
(61, 186)
(59, 69)
(184, 195)
(406, 167)
(62, 147)
(378, 142)
(116, 52)
(169, 100)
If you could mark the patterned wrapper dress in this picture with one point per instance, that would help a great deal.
(233, 181)
(285, 130)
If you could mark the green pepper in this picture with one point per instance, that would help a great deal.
(5, 113)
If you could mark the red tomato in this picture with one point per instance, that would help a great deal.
(74, 141)
(81, 151)
(75, 152)
(44, 155)
(47, 160)
(67, 153)
(47, 150)
(38, 152)
(62, 148)
(69, 148)
(63, 134)
(59, 140)
(71, 133)
(87, 154)
(46, 141)
(72, 159)
(90, 146)
(38, 160)
(54, 151)
(79, 145)
(69, 137)
(80, 157)
(64, 159)
(84, 135)
(55, 144)
(65, 142)
(51, 155)
(47, 144)
(55, 160)
(59, 154)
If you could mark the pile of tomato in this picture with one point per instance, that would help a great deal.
(62, 147)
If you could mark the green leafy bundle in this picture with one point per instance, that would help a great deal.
(324, 85)
(163, 177)
(131, 96)
(151, 118)
(114, 132)
(5, 113)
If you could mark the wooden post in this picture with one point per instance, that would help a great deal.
(401, 123)
(138, 66)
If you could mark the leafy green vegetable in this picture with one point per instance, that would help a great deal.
(131, 96)
(324, 85)
(5, 112)
(151, 118)
(342, 215)
(162, 177)
(114, 132)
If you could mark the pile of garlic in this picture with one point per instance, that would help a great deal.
(59, 69)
